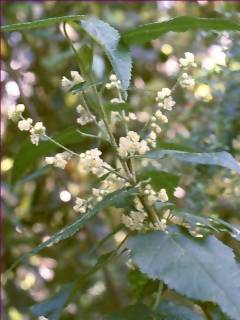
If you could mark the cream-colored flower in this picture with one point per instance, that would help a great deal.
(165, 92)
(80, 205)
(15, 112)
(25, 124)
(59, 160)
(162, 195)
(188, 61)
(186, 81)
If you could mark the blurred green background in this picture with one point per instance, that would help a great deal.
(36, 206)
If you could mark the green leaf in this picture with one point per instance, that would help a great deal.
(203, 270)
(83, 86)
(29, 153)
(153, 31)
(172, 311)
(53, 307)
(44, 23)
(120, 199)
(160, 179)
(222, 159)
(86, 54)
(134, 312)
(117, 53)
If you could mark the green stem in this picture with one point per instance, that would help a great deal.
(159, 295)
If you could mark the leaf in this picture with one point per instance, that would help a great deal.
(83, 86)
(117, 53)
(194, 268)
(120, 199)
(53, 307)
(86, 54)
(153, 31)
(222, 159)
(29, 153)
(160, 179)
(172, 311)
(44, 23)
(134, 312)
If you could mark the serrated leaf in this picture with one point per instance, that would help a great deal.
(172, 311)
(121, 198)
(44, 23)
(117, 53)
(134, 312)
(153, 31)
(53, 307)
(29, 153)
(194, 268)
(222, 158)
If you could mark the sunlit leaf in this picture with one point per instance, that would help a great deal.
(117, 53)
(152, 31)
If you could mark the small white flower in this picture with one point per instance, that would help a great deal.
(66, 82)
(188, 61)
(80, 205)
(15, 112)
(165, 92)
(186, 81)
(167, 103)
(116, 101)
(80, 108)
(77, 78)
(37, 132)
(160, 116)
(91, 162)
(114, 82)
(162, 195)
(49, 160)
(113, 77)
(25, 125)
(131, 116)
(131, 144)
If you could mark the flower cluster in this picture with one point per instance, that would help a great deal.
(59, 160)
(84, 116)
(131, 144)
(186, 81)
(76, 79)
(137, 221)
(81, 205)
(154, 196)
(115, 83)
(37, 131)
(90, 161)
(15, 112)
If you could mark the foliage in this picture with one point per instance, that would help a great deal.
(181, 221)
